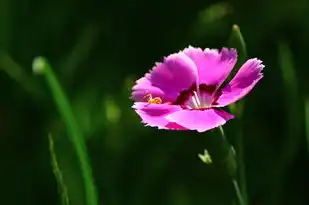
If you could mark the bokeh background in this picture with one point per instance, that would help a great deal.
(97, 50)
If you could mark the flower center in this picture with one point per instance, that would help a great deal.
(201, 97)
(198, 101)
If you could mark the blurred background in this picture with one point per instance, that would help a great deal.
(97, 50)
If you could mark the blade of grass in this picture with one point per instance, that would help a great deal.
(210, 20)
(307, 121)
(5, 23)
(58, 173)
(85, 42)
(292, 103)
(41, 66)
(291, 142)
(17, 73)
(232, 166)
(237, 41)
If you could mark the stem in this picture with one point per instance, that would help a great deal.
(58, 173)
(307, 121)
(222, 133)
(238, 192)
(231, 172)
(237, 41)
(40, 65)
(242, 168)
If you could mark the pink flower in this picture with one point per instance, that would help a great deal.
(183, 92)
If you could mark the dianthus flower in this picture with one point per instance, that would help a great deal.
(184, 92)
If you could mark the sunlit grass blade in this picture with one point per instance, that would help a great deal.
(58, 173)
(41, 66)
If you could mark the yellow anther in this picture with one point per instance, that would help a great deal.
(150, 100)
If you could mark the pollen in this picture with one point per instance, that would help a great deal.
(151, 100)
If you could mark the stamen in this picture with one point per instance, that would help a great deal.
(197, 99)
(198, 88)
(194, 101)
(150, 100)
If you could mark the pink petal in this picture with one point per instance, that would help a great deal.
(166, 80)
(154, 115)
(200, 120)
(144, 87)
(243, 82)
(213, 66)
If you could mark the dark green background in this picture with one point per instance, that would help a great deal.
(98, 49)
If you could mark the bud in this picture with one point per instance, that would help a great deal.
(206, 158)
(38, 65)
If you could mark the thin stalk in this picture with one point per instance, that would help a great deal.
(231, 172)
(41, 66)
(241, 166)
(237, 41)
(307, 121)
(238, 193)
(63, 190)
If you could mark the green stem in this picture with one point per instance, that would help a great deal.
(58, 173)
(232, 169)
(237, 41)
(41, 66)
(222, 133)
(238, 193)
(241, 166)
(307, 121)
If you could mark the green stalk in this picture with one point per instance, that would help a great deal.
(238, 193)
(41, 66)
(307, 121)
(58, 173)
(232, 168)
(237, 41)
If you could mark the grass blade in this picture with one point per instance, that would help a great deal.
(291, 142)
(307, 121)
(57, 172)
(17, 73)
(41, 66)
(291, 145)
(237, 41)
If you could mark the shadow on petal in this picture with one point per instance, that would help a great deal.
(200, 120)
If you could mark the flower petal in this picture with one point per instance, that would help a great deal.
(243, 82)
(177, 73)
(200, 120)
(154, 115)
(213, 66)
(144, 87)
